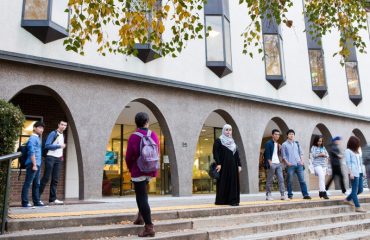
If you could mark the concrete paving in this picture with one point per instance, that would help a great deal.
(127, 204)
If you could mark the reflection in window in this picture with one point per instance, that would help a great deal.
(272, 55)
(353, 79)
(36, 9)
(215, 39)
(317, 68)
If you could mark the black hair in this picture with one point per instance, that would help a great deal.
(141, 119)
(353, 144)
(274, 131)
(316, 140)
(38, 124)
(290, 131)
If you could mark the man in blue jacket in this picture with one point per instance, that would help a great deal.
(33, 164)
(271, 155)
(54, 146)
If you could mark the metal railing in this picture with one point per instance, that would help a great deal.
(5, 201)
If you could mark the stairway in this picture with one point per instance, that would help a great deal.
(315, 219)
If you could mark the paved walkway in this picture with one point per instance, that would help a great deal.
(127, 204)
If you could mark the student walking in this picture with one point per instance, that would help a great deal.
(54, 146)
(335, 157)
(319, 161)
(366, 162)
(226, 155)
(272, 156)
(293, 157)
(33, 164)
(143, 142)
(355, 172)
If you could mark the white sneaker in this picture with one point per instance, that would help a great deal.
(269, 198)
(282, 197)
(57, 202)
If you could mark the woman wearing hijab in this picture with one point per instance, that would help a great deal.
(226, 155)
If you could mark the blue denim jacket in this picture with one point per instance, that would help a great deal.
(34, 148)
(353, 163)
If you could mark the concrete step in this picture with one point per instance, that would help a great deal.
(104, 219)
(247, 230)
(92, 232)
(361, 235)
(312, 232)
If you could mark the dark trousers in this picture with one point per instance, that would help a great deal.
(52, 166)
(32, 177)
(142, 201)
(336, 171)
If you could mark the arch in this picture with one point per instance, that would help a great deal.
(44, 90)
(266, 135)
(167, 135)
(358, 133)
(325, 132)
(244, 188)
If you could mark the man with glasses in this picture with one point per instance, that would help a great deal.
(272, 156)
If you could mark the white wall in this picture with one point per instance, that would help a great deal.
(248, 74)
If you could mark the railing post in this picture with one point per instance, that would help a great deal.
(5, 201)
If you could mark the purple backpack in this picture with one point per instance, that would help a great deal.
(148, 160)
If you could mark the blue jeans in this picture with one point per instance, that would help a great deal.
(32, 177)
(357, 188)
(300, 174)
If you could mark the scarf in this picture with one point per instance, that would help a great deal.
(227, 141)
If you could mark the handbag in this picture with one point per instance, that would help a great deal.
(213, 171)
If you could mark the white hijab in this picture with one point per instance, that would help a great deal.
(227, 141)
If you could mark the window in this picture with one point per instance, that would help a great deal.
(218, 41)
(353, 77)
(317, 64)
(273, 53)
(45, 19)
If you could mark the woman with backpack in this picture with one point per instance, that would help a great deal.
(142, 159)
(226, 155)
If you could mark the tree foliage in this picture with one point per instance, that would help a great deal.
(117, 25)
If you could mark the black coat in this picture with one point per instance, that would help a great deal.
(228, 187)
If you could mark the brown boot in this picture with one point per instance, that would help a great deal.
(148, 231)
(139, 219)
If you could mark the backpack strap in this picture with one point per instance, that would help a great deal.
(139, 134)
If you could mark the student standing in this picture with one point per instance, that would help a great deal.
(272, 155)
(138, 176)
(319, 162)
(293, 157)
(33, 164)
(54, 146)
(226, 155)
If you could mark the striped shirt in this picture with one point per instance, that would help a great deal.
(316, 159)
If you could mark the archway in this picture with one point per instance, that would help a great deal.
(116, 177)
(42, 103)
(203, 157)
(319, 130)
(274, 123)
(358, 133)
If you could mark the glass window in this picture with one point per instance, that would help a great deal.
(227, 41)
(36, 9)
(272, 54)
(317, 68)
(59, 16)
(215, 49)
(353, 79)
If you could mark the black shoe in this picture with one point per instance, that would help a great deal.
(307, 197)
(325, 195)
(290, 197)
(234, 204)
(320, 194)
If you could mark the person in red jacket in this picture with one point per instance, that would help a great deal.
(139, 178)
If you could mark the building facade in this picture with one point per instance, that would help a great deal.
(189, 98)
